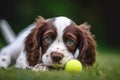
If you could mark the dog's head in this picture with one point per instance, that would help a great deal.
(57, 40)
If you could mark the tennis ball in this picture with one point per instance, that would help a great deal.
(73, 66)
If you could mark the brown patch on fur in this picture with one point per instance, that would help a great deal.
(87, 46)
(49, 31)
(32, 42)
(36, 39)
(84, 41)
(71, 32)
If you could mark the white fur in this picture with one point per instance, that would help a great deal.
(76, 53)
(21, 61)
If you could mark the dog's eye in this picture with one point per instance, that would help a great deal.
(48, 39)
(70, 42)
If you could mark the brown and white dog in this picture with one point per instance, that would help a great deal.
(50, 42)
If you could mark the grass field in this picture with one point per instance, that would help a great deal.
(107, 67)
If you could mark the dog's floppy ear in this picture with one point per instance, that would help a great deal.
(87, 45)
(33, 42)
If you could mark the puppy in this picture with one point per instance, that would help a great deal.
(51, 42)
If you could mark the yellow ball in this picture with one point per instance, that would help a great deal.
(73, 66)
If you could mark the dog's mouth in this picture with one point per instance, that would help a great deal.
(56, 66)
(56, 63)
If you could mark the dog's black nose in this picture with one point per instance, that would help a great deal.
(56, 57)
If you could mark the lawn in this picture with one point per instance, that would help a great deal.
(107, 67)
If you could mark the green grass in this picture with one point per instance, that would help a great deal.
(107, 67)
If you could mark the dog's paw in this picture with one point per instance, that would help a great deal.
(4, 61)
(21, 62)
(40, 67)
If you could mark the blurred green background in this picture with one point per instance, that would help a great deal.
(102, 15)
